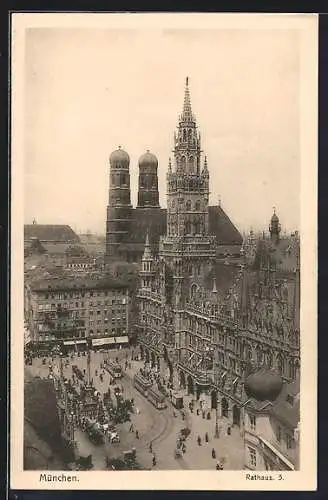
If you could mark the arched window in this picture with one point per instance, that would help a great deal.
(193, 291)
(197, 227)
(188, 227)
(184, 135)
(197, 205)
(191, 163)
(189, 134)
(183, 161)
(188, 205)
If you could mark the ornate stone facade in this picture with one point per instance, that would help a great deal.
(207, 323)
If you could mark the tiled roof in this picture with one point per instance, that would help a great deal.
(50, 233)
(154, 221)
(74, 283)
(221, 226)
(151, 220)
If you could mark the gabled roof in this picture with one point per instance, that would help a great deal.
(50, 233)
(153, 220)
(221, 226)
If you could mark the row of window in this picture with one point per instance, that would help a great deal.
(72, 305)
(81, 293)
(113, 320)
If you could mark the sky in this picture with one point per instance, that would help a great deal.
(89, 90)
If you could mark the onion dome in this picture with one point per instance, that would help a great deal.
(148, 160)
(119, 158)
(263, 385)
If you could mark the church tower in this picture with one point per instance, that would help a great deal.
(275, 228)
(119, 209)
(187, 244)
(187, 249)
(148, 196)
(147, 271)
(187, 183)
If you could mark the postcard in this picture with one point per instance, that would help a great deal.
(163, 251)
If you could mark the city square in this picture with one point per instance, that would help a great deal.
(158, 428)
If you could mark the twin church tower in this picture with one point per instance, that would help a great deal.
(188, 214)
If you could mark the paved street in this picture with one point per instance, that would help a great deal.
(160, 427)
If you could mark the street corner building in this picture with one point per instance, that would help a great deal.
(69, 312)
(216, 310)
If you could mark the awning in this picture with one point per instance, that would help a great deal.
(122, 340)
(104, 341)
(73, 342)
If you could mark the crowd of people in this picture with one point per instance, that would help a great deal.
(89, 404)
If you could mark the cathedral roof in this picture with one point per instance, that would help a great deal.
(222, 227)
(154, 220)
(50, 233)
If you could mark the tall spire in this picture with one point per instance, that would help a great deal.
(187, 113)
(147, 255)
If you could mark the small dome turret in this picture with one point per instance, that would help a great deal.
(119, 159)
(263, 385)
(148, 160)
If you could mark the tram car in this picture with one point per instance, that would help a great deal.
(142, 384)
(114, 369)
(156, 398)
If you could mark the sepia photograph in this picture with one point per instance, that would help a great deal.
(163, 234)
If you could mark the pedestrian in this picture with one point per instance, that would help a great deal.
(213, 453)
(197, 411)
(199, 441)
(203, 414)
(151, 447)
(154, 460)
(206, 437)
(137, 434)
(131, 428)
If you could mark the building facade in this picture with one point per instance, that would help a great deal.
(71, 311)
(205, 321)
(271, 431)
